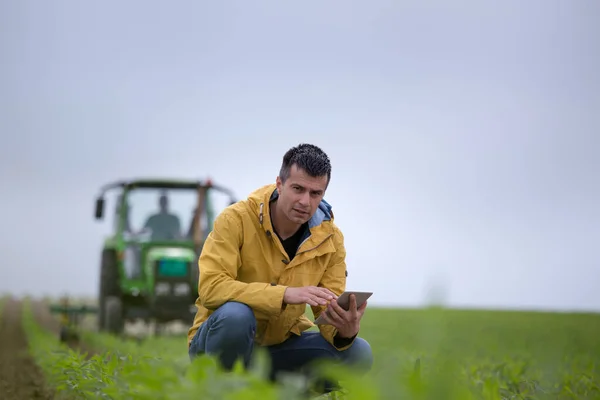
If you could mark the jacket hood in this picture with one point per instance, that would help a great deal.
(261, 197)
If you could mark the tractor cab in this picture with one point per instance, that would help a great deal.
(149, 261)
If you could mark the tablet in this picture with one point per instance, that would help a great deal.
(344, 301)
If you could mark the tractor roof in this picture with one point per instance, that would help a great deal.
(162, 183)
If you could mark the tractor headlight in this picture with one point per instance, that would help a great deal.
(162, 288)
(181, 289)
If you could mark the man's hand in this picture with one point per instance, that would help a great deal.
(347, 323)
(312, 295)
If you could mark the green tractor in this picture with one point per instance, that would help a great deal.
(149, 267)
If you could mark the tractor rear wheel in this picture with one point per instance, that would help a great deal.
(113, 315)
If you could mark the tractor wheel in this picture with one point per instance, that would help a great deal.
(113, 315)
(195, 277)
(109, 284)
(195, 272)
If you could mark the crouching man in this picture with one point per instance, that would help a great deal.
(266, 258)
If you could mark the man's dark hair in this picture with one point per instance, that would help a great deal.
(307, 157)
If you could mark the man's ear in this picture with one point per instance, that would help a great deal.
(279, 184)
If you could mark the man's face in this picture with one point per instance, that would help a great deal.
(301, 194)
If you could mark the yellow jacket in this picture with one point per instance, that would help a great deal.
(243, 260)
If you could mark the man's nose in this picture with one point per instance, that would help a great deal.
(305, 199)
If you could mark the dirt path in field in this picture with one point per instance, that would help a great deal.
(20, 378)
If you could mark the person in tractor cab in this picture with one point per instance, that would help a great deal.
(266, 258)
(164, 225)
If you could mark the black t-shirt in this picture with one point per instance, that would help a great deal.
(291, 244)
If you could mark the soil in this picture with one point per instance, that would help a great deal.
(20, 377)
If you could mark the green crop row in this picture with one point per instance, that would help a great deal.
(419, 354)
(130, 372)
(172, 352)
(170, 348)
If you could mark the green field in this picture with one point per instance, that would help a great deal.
(433, 354)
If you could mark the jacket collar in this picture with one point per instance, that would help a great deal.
(319, 225)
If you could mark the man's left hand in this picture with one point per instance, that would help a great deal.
(347, 323)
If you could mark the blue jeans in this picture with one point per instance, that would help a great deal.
(229, 334)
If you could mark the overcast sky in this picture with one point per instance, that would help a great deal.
(464, 136)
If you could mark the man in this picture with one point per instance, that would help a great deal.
(265, 259)
(164, 225)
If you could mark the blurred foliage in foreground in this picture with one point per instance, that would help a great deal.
(419, 354)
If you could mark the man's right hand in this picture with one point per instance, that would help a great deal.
(312, 295)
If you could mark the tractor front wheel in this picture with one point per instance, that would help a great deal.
(113, 315)
(109, 284)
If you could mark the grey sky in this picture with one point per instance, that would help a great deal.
(489, 182)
